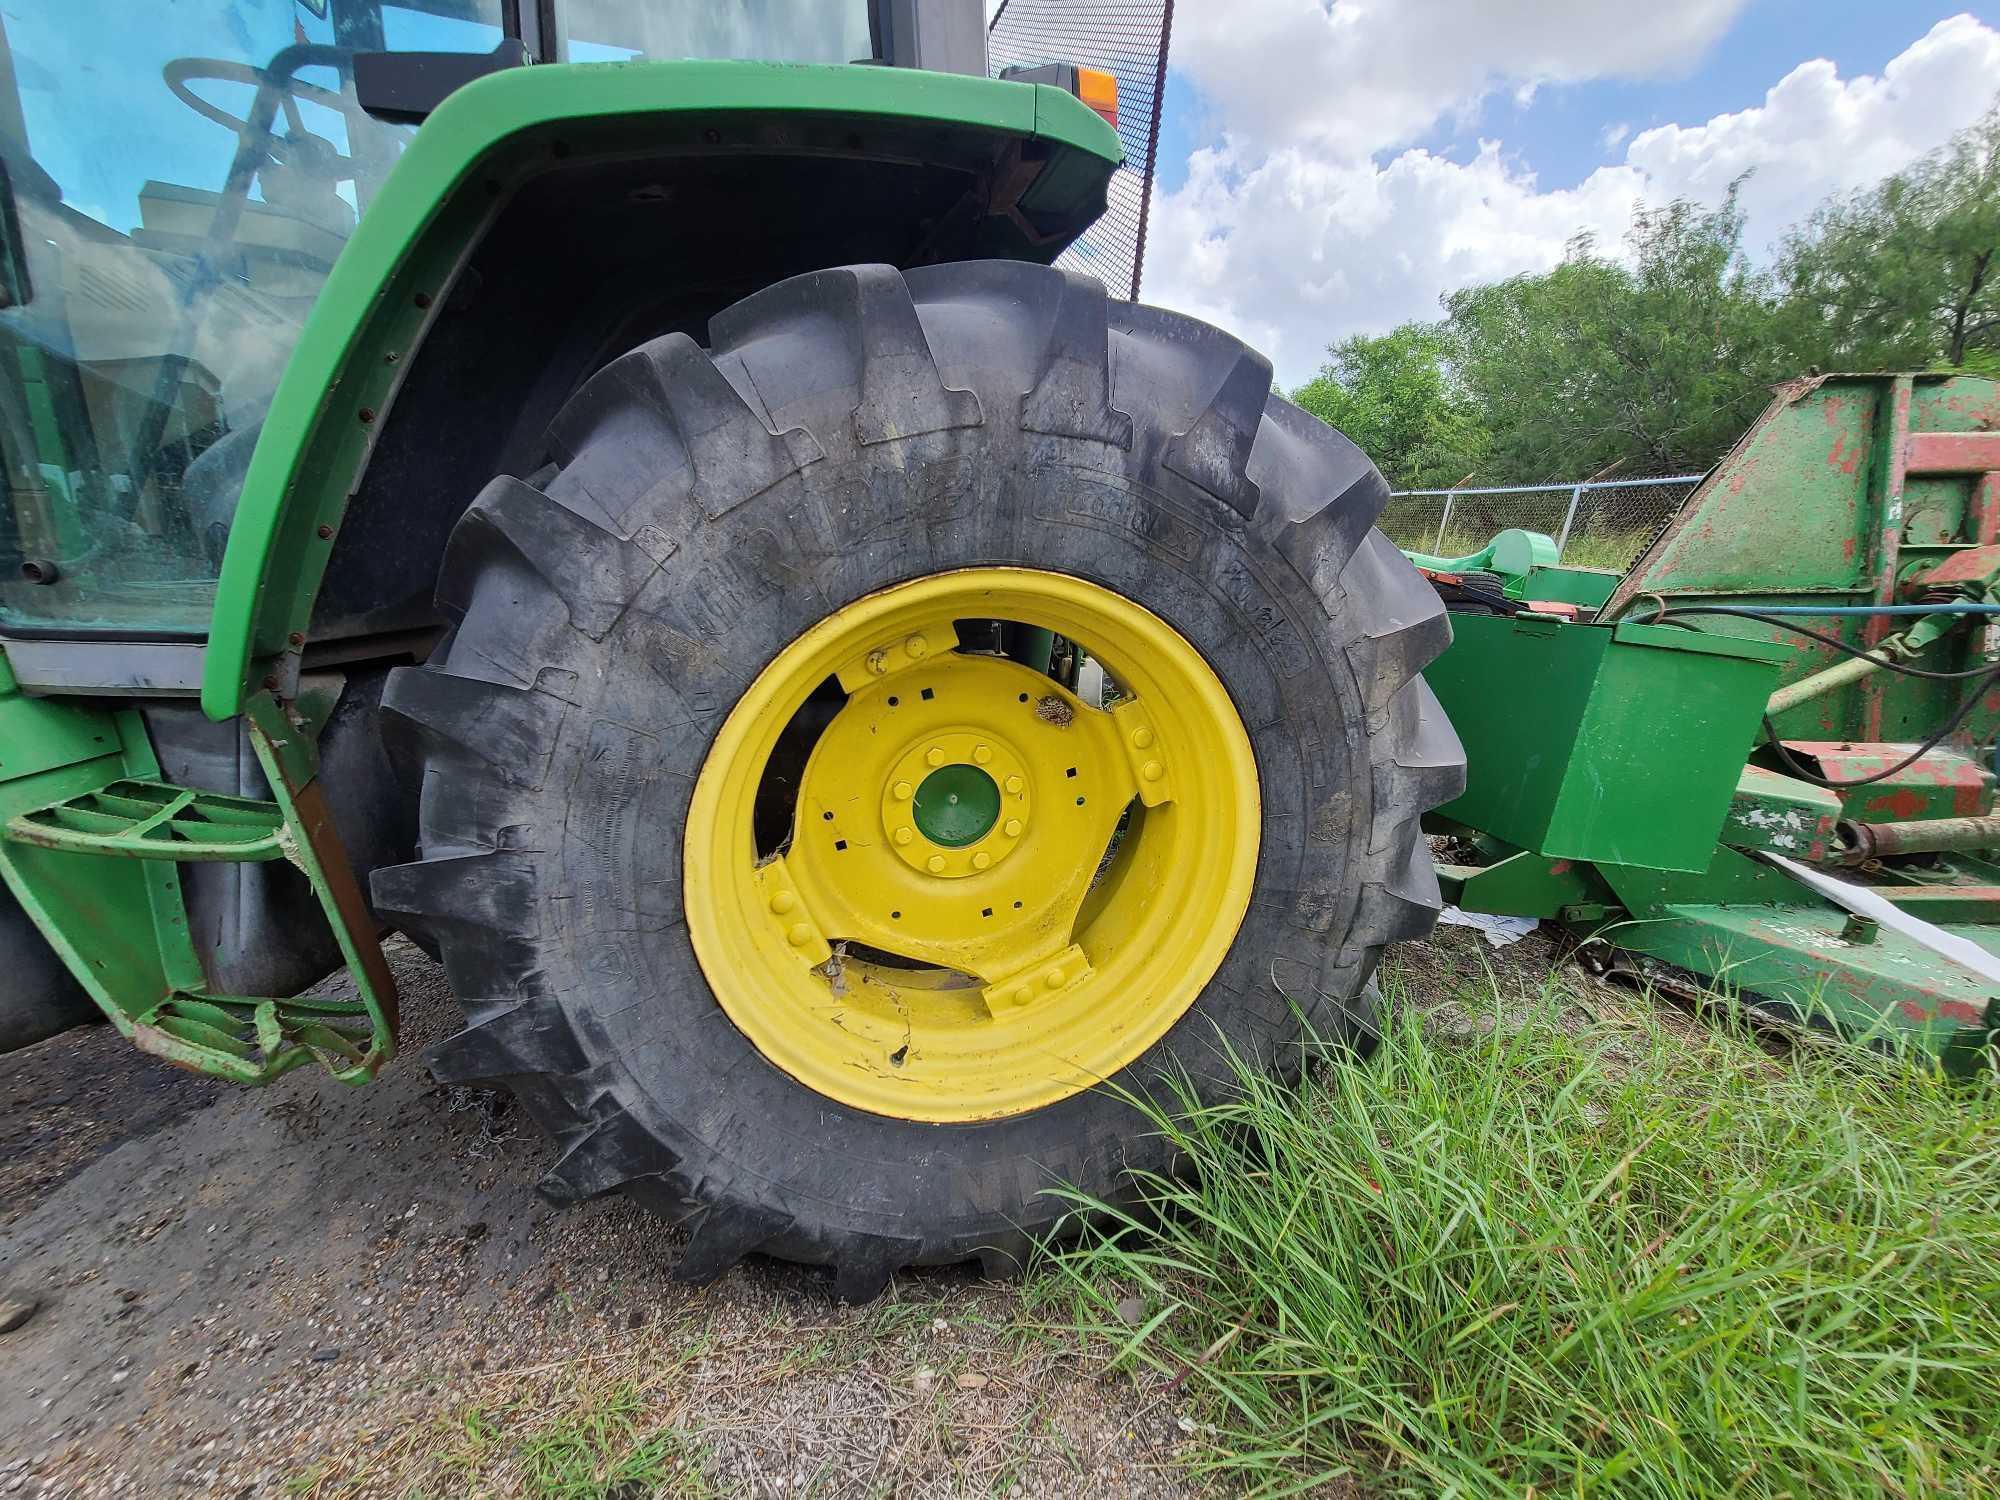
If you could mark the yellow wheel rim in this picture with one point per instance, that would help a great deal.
(993, 895)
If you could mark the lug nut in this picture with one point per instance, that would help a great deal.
(935, 864)
(783, 901)
(982, 754)
(981, 860)
(904, 835)
(934, 756)
(1012, 828)
(1152, 770)
(902, 789)
(1014, 784)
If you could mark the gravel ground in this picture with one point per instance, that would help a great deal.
(311, 1290)
(315, 1291)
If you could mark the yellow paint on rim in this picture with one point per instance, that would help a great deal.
(1003, 975)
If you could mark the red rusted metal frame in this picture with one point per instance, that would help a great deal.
(1891, 470)
(1951, 453)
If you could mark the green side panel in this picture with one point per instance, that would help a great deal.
(117, 923)
(1807, 509)
(1614, 745)
(1523, 885)
(1585, 587)
(1782, 814)
(1804, 964)
(389, 281)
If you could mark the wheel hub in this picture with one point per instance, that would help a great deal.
(951, 932)
(960, 797)
(957, 804)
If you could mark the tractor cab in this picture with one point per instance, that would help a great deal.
(178, 182)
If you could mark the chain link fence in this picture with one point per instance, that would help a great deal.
(1597, 523)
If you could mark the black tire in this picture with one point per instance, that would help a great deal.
(851, 429)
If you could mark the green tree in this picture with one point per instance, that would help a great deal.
(1904, 275)
(1655, 362)
(1398, 399)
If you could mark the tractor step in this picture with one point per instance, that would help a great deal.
(89, 841)
(134, 819)
(248, 1040)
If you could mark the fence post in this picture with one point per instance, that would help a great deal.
(1569, 520)
(1443, 521)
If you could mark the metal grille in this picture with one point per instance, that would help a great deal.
(1598, 524)
(1127, 38)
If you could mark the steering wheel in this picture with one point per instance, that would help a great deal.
(298, 149)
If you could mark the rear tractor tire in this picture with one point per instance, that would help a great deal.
(777, 874)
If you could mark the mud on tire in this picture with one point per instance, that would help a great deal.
(848, 430)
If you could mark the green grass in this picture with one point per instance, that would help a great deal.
(1615, 1262)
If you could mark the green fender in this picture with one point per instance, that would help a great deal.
(357, 345)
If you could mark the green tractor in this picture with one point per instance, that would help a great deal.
(846, 700)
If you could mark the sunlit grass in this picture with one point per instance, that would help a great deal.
(1547, 1259)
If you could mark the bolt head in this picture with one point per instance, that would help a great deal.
(1014, 785)
(982, 754)
(878, 662)
(904, 835)
(916, 648)
(1143, 738)
(1152, 770)
(1012, 828)
(903, 791)
(934, 756)
(800, 934)
(935, 864)
(783, 901)
(981, 860)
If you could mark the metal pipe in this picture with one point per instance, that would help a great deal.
(1860, 842)
(1569, 520)
(1943, 607)
(1807, 688)
(1543, 489)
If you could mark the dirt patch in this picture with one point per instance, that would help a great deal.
(67, 1101)
(315, 1290)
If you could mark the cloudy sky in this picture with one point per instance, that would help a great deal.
(1332, 166)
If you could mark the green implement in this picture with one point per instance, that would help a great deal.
(1655, 773)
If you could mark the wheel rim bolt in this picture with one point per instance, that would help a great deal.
(903, 791)
(935, 864)
(916, 648)
(904, 835)
(1014, 785)
(1012, 828)
(1053, 979)
(1143, 738)
(934, 756)
(982, 754)
(783, 901)
(800, 934)
(981, 860)
(1152, 770)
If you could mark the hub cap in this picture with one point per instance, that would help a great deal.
(950, 932)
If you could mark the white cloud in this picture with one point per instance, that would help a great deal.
(1360, 76)
(1613, 136)
(1815, 134)
(1303, 224)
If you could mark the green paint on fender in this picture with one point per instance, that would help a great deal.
(389, 281)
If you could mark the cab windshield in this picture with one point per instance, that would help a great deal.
(176, 180)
